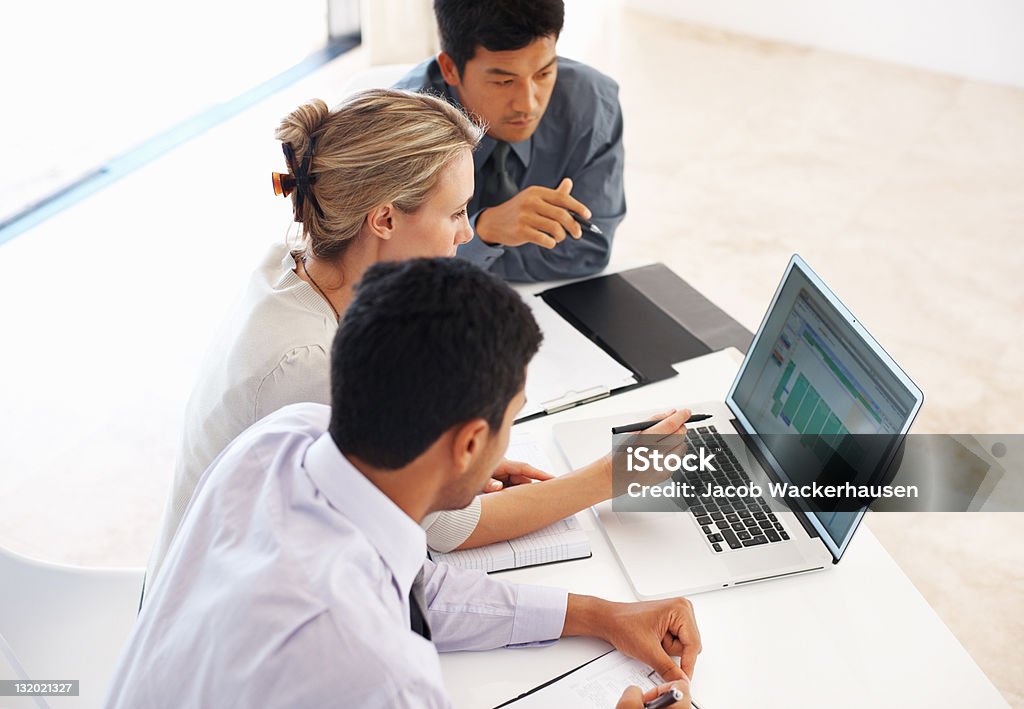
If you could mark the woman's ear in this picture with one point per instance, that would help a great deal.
(381, 221)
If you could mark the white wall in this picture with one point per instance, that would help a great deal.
(978, 39)
(399, 31)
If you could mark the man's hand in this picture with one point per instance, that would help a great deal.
(650, 631)
(537, 215)
(633, 698)
(512, 472)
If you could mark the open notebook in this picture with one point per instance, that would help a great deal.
(561, 541)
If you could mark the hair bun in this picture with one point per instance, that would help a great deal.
(299, 125)
(379, 146)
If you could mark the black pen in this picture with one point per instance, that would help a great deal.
(667, 699)
(587, 226)
(634, 427)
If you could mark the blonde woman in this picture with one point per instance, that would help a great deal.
(385, 176)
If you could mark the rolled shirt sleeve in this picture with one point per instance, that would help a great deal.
(469, 610)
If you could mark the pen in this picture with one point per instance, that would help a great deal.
(634, 427)
(669, 698)
(587, 226)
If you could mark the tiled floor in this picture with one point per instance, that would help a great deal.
(904, 189)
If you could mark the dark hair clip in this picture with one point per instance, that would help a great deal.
(299, 181)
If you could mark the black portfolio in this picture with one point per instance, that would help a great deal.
(647, 318)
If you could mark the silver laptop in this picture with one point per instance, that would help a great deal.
(812, 373)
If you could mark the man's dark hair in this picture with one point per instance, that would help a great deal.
(425, 345)
(497, 25)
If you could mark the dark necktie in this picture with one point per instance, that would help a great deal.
(417, 608)
(498, 185)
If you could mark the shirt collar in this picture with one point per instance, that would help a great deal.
(400, 542)
(486, 147)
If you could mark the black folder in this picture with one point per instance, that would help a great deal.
(647, 318)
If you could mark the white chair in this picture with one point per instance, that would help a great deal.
(64, 623)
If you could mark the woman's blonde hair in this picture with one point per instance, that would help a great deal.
(379, 146)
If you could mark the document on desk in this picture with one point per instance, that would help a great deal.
(569, 368)
(525, 448)
(561, 541)
(597, 685)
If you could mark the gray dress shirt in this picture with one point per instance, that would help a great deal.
(579, 136)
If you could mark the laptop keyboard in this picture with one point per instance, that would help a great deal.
(728, 523)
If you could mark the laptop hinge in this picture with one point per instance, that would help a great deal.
(779, 576)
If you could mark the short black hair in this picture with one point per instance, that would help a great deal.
(425, 345)
(497, 25)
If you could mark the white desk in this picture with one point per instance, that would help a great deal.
(857, 635)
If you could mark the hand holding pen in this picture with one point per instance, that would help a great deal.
(673, 695)
(537, 215)
(670, 429)
(644, 425)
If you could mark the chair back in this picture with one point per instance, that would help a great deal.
(63, 622)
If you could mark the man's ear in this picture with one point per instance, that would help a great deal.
(468, 442)
(449, 71)
(381, 221)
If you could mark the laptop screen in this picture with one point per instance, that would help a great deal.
(813, 376)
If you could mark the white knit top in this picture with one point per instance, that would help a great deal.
(273, 350)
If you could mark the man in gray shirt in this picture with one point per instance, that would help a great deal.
(554, 138)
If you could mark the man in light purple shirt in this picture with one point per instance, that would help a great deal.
(298, 576)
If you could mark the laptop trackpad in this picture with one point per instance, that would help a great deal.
(665, 554)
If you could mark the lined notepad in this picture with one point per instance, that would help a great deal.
(561, 541)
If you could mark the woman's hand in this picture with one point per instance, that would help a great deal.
(671, 438)
(513, 472)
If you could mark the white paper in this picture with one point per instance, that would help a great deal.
(568, 366)
(525, 448)
(563, 540)
(598, 685)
